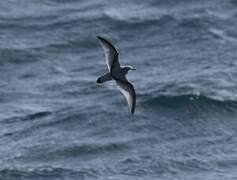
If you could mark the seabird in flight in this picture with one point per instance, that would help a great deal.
(117, 73)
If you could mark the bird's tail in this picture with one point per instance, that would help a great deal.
(104, 78)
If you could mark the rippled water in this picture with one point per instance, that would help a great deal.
(57, 123)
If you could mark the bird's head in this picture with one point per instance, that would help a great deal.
(132, 68)
(128, 67)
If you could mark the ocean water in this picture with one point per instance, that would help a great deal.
(57, 123)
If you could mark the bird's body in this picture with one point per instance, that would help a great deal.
(117, 73)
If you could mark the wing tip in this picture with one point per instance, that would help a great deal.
(100, 38)
(105, 40)
(132, 111)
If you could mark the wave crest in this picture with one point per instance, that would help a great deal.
(191, 101)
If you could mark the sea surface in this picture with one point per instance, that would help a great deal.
(56, 123)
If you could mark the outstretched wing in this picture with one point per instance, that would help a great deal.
(111, 54)
(128, 91)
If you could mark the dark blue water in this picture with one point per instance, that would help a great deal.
(57, 123)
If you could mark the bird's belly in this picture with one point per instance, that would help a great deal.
(118, 76)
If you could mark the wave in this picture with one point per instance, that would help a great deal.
(89, 149)
(29, 117)
(221, 34)
(45, 172)
(17, 56)
(190, 101)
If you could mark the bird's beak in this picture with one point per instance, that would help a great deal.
(134, 69)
